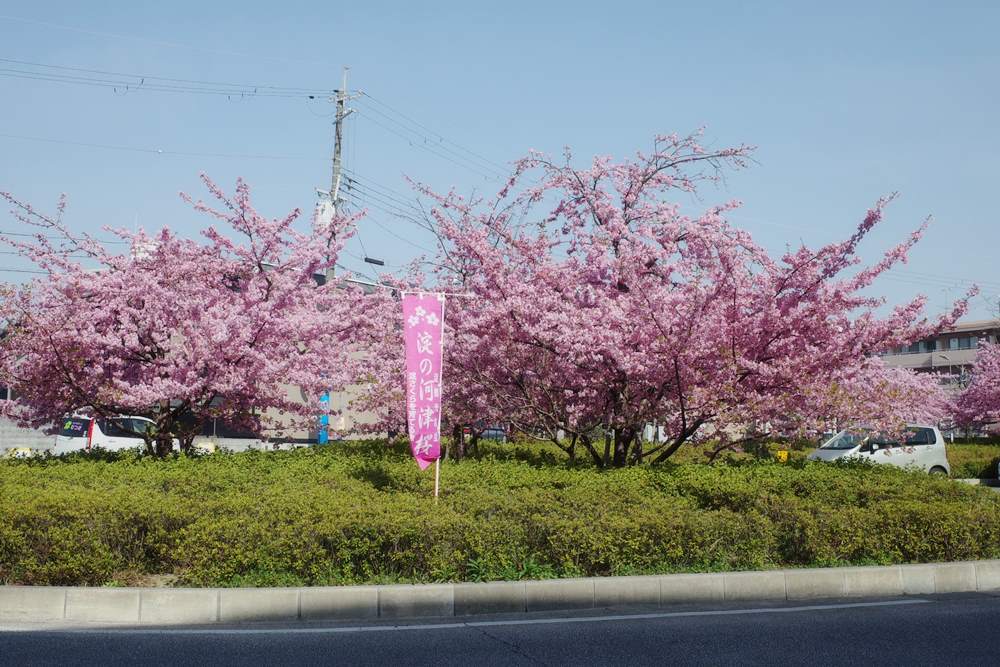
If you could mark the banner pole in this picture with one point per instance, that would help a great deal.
(437, 477)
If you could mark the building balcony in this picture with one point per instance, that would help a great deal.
(939, 359)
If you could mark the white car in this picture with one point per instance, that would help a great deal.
(115, 434)
(923, 449)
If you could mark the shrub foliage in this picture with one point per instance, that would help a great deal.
(363, 513)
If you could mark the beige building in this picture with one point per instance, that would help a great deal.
(950, 354)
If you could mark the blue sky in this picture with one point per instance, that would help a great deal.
(846, 102)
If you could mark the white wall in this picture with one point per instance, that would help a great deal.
(12, 435)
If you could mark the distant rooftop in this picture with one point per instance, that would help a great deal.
(973, 325)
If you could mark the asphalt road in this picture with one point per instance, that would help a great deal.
(934, 630)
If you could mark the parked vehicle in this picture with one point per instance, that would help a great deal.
(923, 449)
(114, 434)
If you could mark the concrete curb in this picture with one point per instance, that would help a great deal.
(199, 606)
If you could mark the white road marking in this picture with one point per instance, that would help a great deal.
(466, 624)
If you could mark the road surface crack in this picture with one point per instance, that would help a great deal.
(512, 646)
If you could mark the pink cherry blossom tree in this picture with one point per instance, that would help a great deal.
(593, 305)
(979, 403)
(231, 326)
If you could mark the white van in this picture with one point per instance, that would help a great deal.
(923, 449)
(85, 433)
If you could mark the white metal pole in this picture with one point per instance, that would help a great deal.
(437, 476)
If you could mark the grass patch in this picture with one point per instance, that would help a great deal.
(363, 513)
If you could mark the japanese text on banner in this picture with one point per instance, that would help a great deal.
(423, 324)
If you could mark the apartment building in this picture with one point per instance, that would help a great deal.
(950, 354)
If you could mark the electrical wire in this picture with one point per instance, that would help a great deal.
(951, 279)
(501, 167)
(389, 230)
(357, 235)
(197, 82)
(142, 85)
(407, 211)
(440, 144)
(366, 183)
(432, 151)
(24, 271)
(14, 252)
(62, 238)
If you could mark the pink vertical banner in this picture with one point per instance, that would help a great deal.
(423, 324)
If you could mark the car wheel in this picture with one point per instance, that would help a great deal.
(938, 470)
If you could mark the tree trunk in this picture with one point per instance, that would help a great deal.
(589, 446)
(672, 447)
(164, 445)
(458, 442)
(622, 441)
(637, 450)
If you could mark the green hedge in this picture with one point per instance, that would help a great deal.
(363, 514)
(974, 460)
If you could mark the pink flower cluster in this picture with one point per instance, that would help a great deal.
(179, 329)
(592, 306)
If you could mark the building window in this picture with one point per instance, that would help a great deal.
(963, 343)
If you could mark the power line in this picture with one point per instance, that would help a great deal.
(503, 168)
(24, 271)
(14, 252)
(408, 211)
(440, 144)
(141, 85)
(420, 140)
(429, 149)
(367, 202)
(225, 84)
(951, 278)
(61, 238)
(366, 183)
(943, 282)
(386, 228)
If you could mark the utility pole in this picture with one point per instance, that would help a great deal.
(327, 211)
(333, 201)
(338, 140)
(330, 202)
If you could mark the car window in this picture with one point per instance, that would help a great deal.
(845, 440)
(140, 426)
(119, 428)
(74, 428)
(921, 436)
